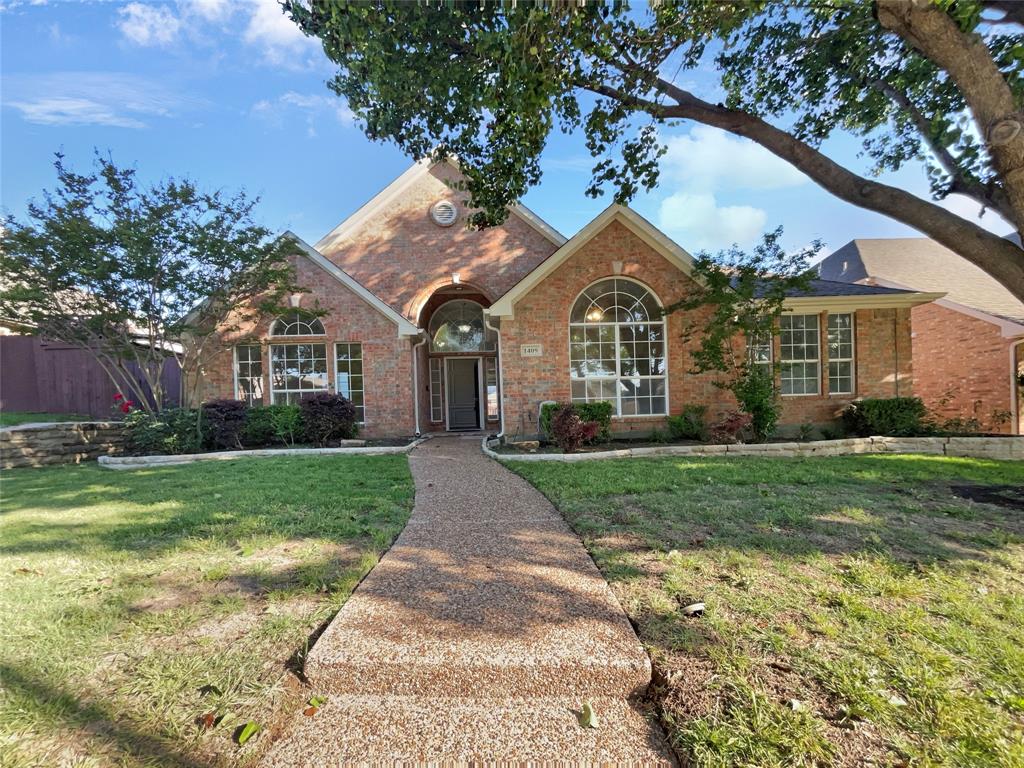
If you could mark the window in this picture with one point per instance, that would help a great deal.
(249, 374)
(297, 323)
(297, 370)
(458, 326)
(799, 346)
(759, 351)
(436, 396)
(491, 385)
(348, 376)
(840, 354)
(617, 348)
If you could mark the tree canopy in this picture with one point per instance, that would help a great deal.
(135, 274)
(936, 82)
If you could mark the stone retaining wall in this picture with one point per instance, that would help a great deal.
(71, 442)
(1003, 448)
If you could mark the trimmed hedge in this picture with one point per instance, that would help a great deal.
(326, 417)
(223, 421)
(599, 411)
(894, 416)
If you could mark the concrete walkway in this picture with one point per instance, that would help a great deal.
(476, 638)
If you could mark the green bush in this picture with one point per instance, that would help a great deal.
(755, 393)
(599, 412)
(897, 416)
(689, 424)
(258, 429)
(287, 422)
(172, 431)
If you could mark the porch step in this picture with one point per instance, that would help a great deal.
(417, 730)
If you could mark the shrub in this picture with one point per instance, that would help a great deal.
(223, 422)
(327, 417)
(599, 411)
(899, 416)
(258, 429)
(287, 423)
(570, 432)
(806, 431)
(172, 431)
(689, 424)
(730, 428)
(755, 393)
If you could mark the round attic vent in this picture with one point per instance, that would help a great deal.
(444, 213)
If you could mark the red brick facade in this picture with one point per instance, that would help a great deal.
(883, 360)
(964, 365)
(399, 253)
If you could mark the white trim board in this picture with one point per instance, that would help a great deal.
(637, 224)
(383, 199)
(405, 328)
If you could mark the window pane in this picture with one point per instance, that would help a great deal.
(348, 375)
(249, 374)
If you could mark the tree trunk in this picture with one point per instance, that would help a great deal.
(966, 59)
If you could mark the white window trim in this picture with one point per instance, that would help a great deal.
(362, 361)
(436, 390)
(234, 371)
(852, 360)
(817, 360)
(270, 367)
(618, 415)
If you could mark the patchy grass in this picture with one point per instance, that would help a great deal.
(125, 593)
(861, 610)
(14, 418)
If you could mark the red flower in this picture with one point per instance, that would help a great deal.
(118, 397)
(126, 406)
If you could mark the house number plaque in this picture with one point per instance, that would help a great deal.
(531, 350)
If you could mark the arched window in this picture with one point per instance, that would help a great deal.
(297, 323)
(617, 348)
(458, 326)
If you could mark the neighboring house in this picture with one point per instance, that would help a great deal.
(431, 326)
(968, 346)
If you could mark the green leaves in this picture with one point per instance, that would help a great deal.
(588, 717)
(246, 732)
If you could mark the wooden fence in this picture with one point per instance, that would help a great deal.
(51, 377)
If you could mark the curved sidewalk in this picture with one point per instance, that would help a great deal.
(476, 638)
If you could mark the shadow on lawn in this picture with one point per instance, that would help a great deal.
(96, 719)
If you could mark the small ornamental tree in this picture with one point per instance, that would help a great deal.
(740, 298)
(136, 274)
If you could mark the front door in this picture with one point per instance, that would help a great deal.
(463, 393)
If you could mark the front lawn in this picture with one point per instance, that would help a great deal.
(860, 610)
(14, 418)
(135, 602)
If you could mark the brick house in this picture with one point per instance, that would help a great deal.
(431, 326)
(968, 345)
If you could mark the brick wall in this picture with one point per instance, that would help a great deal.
(404, 257)
(884, 364)
(963, 366)
(387, 358)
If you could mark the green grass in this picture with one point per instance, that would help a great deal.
(859, 609)
(14, 418)
(124, 593)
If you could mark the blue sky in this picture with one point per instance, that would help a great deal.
(230, 93)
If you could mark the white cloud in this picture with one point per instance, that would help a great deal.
(277, 35)
(92, 98)
(696, 221)
(148, 24)
(63, 110)
(209, 10)
(314, 107)
(710, 159)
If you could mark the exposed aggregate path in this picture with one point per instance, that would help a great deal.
(476, 639)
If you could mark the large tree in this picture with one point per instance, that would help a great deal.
(933, 81)
(137, 275)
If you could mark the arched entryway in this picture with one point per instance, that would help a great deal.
(461, 361)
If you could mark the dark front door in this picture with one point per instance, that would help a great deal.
(463, 393)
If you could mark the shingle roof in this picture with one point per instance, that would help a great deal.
(837, 288)
(922, 264)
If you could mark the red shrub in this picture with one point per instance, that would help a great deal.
(570, 431)
(730, 428)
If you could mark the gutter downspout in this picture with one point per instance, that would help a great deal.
(1014, 389)
(416, 379)
(501, 377)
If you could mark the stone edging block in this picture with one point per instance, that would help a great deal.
(1010, 447)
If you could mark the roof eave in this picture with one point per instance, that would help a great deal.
(862, 301)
